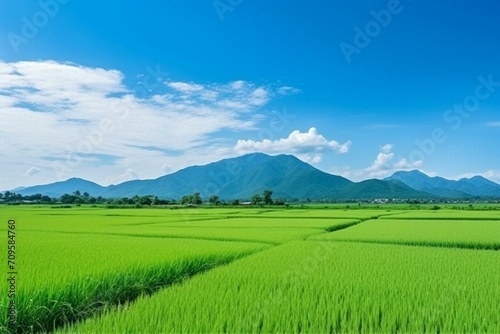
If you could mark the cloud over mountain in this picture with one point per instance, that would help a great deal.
(384, 164)
(308, 146)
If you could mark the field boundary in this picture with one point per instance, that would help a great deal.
(457, 245)
(339, 227)
(163, 236)
(446, 218)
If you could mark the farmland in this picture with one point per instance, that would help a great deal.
(476, 234)
(389, 269)
(326, 287)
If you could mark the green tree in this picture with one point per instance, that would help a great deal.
(7, 195)
(280, 201)
(256, 199)
(197, 199)
(186, 199)
(46, 199)
(268, 200)
(191, 199)
(214, 199)
(145, 200)
(68, 199)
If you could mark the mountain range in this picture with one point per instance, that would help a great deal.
(288, 177)
(476, 186)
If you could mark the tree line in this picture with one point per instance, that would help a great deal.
(148, 200)
(11, 197)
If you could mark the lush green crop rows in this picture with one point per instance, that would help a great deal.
(319, 287)
(92, 219)
(269, 235)
(71, 274)
(452, 233)
(74, 263)
(178, 224)
(324, 213)
(276, 230)
(446, 214)
(263, 223)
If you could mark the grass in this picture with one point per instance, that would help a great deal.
(311, 269)
(65, 277)
(317, 287)
(211, 224)
(479, 234)
(446, 214)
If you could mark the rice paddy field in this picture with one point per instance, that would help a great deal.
(253, 270)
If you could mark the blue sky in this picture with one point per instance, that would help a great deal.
(118, 90)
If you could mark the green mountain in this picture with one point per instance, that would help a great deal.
(371, 189)
(241, 178)
(62, 187)
(476, 186)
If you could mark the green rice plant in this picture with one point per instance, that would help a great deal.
(326, 213)
(63, 277)
(115, 220)
(446, 214)
(264, 223)
(249, 234)
(324, 287)
(152, 223)
(481, 234)
(79, 262)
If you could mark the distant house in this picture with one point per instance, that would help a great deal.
(246, 203)
(380, 201)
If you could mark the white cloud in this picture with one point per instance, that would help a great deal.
(308, 146)
(493, 124)
(238, 85)
(88, 123)
(185, 87)
(32, 171)
(127, 175)
(166, 169)
(384, 165)
(348, 172)
(382, 162)
(259, 97)
(493, 175)
(240, 95)
(287, 90)
(387, 148)
(209, 95)
(310, 158)
(404, 164)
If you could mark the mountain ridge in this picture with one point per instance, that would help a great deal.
(476, 186)
(289, 177)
